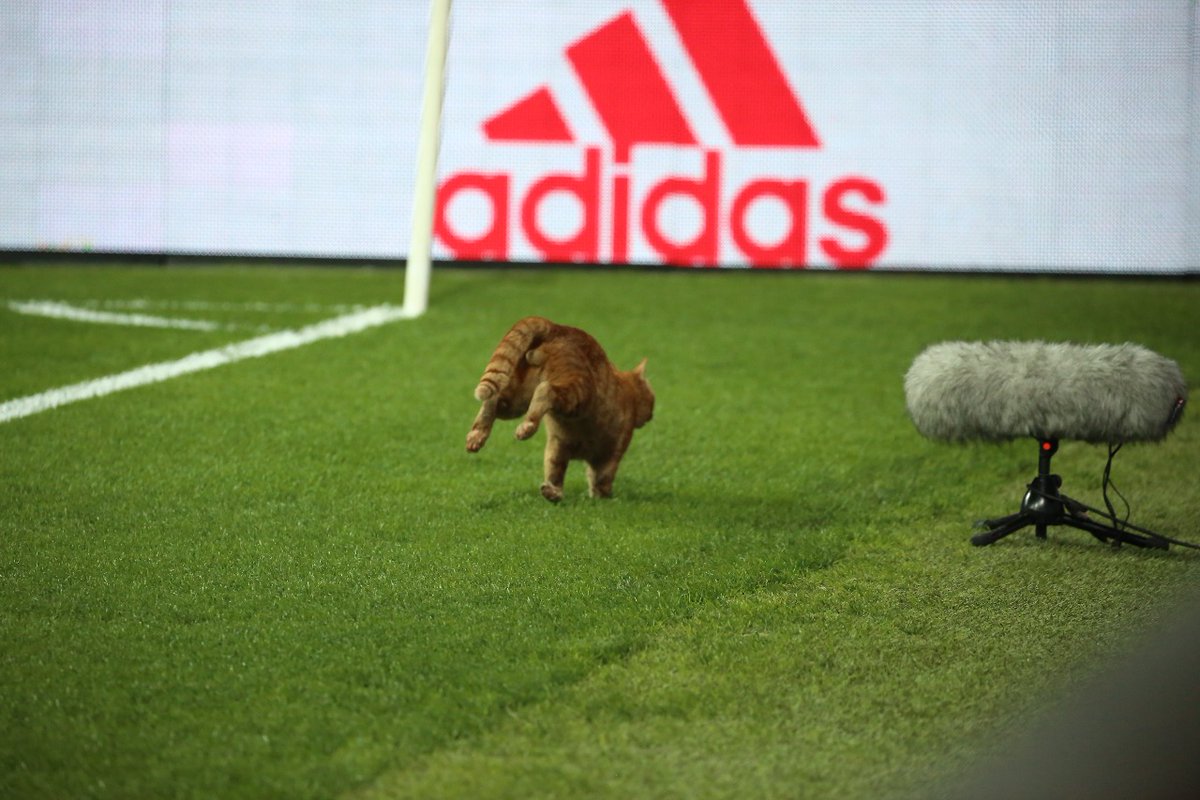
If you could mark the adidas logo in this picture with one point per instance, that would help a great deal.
(636, 106)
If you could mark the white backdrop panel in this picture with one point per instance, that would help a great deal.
(1010, 134)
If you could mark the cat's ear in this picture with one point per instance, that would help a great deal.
(640, 369)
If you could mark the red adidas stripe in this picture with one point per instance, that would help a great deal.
(627, 88)
(741, 74)
(534, 118)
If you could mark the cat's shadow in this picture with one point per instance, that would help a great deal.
(647, 504)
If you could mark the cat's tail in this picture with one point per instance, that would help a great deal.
(522, 337)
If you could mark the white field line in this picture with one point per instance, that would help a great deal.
(142, 304)
(207, 359)
(57, 310)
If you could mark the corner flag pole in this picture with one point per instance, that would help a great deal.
(416, 273)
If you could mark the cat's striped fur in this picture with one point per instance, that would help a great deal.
(545, 371)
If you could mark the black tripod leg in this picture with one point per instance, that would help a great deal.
(1101, 532)
(1011, 524)
(1000, 522)
(1106, 532)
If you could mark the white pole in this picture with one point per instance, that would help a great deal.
(416, 273)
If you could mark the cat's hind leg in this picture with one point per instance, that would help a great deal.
(482, 427)
(555, 464)
(542, 402)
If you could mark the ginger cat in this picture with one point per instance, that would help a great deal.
(560, 374)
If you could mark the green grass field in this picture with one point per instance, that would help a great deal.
(285, 578)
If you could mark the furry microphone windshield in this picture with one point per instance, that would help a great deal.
(960, 391)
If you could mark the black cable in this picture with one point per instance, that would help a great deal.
(1107, 483)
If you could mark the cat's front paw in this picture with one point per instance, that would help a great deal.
(476, 440)
(526, 429)
(552, 493)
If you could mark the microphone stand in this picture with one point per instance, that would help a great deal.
(1043, 506)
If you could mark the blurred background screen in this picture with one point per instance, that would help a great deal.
(1020, 135)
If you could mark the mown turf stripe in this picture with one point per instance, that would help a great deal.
(153, 373)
